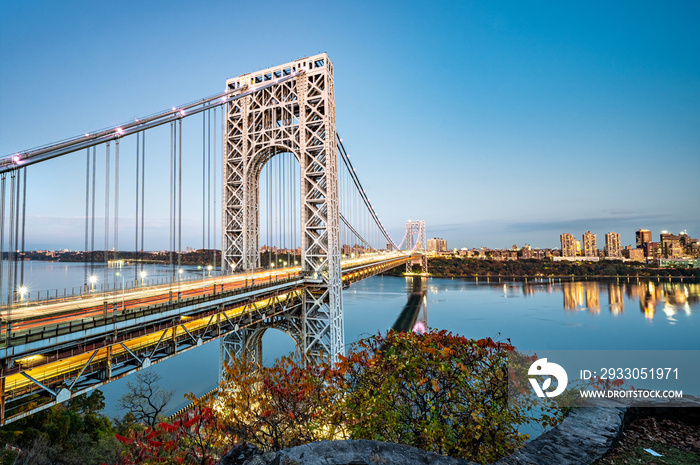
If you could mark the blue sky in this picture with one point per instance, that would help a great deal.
(498, 123)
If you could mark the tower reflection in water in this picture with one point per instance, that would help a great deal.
(414, 316)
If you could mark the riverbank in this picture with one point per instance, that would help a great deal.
(455, 267)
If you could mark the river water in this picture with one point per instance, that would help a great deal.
(541, 314)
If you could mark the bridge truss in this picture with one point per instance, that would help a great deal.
(295, 116)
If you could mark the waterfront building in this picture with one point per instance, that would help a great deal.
(590, 245)
(437, 244)
(635, 255)
(568, 245)
(651, 250)
(643, 236)
(670, 245)
(612, 245)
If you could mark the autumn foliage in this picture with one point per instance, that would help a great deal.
(194, 438)
(271, 408)
(436, 391)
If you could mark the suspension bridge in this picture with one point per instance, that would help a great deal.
(288, 189)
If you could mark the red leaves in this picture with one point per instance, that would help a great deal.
(124, 440)
(168, 428)
(192, 421)
(193, 437)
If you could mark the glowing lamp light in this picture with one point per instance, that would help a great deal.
(182, 112)
(120, 131)
(87, 134)
(16, 159)
(143, 274)
(92, 279)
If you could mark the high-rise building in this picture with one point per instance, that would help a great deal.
(612, 245)
(643, 236)
(568, 245)
(670, 245)
(651, 250)
(437, 244)
(589, 244)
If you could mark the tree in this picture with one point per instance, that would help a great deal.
(145, 399)
(435, 391)
(194, 439)
(286, 405)
(73, 433)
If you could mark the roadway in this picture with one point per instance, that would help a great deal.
(34, 315)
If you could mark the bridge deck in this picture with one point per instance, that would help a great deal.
(63, 348)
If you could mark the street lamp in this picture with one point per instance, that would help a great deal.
(92, 279)
(143, 275)
(123, 286)
(22, 292)
(209, 268)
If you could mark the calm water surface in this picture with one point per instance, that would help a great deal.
(545, 314)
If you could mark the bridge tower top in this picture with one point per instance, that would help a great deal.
(276, 72)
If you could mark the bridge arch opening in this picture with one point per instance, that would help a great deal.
(276, 343)
(277, 182)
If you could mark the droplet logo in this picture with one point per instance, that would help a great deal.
(542, 367)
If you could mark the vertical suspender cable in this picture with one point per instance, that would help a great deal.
(15, 248)
(209, 180)
(143, 193)
(106, 212)
(172, 199)
(214, 170)
(216, 192)
(204, 176)
(87, 214)
(179, 199)
(24, 223)
(92, 238)
(294, 207)
(283, 186)
(116, 204)
(2, 229)
(269, 211)
(11, 257)
(276, 187)
(136, 217)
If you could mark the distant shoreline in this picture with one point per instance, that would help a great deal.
(456, 267)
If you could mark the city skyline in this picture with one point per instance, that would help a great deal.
(534, 120)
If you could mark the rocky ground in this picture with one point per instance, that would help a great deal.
(676, 440)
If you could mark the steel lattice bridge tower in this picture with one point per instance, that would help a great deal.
(417, 228)
(54, 347)
(295, 116)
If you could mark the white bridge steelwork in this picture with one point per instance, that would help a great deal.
(295, 116)
(51, 351)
